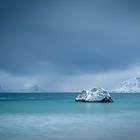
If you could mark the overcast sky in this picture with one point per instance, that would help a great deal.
(68, 45)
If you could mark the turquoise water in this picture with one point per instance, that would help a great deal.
(55, 116)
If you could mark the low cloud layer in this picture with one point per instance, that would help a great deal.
(62, 82)
(70, 39)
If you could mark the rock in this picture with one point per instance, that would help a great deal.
(129, 86)
(94, 95)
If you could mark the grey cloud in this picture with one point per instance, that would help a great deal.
(69, 37)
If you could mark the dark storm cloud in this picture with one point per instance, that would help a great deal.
(69, 36)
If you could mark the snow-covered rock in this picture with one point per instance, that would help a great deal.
(129, 86)
(94, 95)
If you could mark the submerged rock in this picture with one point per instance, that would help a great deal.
(94, 95)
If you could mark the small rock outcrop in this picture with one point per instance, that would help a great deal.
(94, 95)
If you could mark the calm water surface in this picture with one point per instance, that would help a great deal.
(55, 116)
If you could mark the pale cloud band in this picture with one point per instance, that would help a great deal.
(61, 83)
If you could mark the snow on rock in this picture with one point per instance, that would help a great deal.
(94, 95)
(129, 86)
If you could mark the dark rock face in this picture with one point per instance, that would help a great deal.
(107, 100)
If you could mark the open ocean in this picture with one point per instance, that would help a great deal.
(55, 116)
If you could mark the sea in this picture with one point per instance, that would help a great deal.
(56, 116)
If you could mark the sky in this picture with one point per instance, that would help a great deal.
(68, 45)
